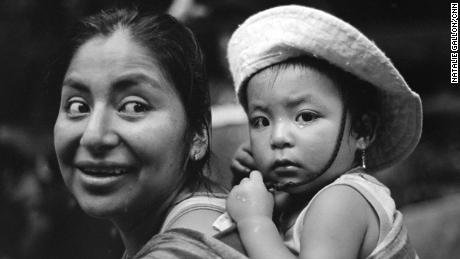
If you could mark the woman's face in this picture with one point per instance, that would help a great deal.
(121, 130)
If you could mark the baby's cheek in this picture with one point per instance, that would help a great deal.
(263, 155)
(315, 146)
(262, 159)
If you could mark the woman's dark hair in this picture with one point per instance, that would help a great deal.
(176, 50)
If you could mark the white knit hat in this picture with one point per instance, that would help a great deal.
(279, 33)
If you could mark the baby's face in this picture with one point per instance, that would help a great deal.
(295, 116)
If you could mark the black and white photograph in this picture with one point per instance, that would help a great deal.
(229, 129)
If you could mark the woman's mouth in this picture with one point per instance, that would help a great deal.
(103, 171)
(102, 175)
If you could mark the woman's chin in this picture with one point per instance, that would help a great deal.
(98, 213)
(101, 208)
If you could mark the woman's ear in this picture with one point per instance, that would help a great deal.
(199, 144)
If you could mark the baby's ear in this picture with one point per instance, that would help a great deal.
(199, 144)
(365, 129)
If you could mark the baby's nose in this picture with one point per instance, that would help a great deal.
(281, 136)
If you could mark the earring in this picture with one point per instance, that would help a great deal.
(361, 145)
(195, 155)
(363, 158)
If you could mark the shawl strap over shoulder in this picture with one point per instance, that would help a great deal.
(185, 243)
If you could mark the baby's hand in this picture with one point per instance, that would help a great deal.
(250, 199)
(242, 163)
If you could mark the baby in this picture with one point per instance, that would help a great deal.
(326, 109)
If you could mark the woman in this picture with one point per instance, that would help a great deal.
(132, 134)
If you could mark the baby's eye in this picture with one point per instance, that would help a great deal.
(306, 117)
(77, 108)
(259, 122)
(134, 108)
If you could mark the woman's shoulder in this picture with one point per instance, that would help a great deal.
(186, 243)
(197, 211)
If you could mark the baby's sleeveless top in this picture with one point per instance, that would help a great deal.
(393, 241)
(198, 201)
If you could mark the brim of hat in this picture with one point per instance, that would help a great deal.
(398, 131)
(277, 34)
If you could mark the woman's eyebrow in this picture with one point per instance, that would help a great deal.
(129, 80)
(75, 84)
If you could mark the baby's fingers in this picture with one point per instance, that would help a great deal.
(239, 171)
(244, 156)
(238, 168)
(244, 181)
(246, 146)
(256, 176)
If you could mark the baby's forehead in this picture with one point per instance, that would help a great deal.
(292, 73)
(291, 85)
(300, 68)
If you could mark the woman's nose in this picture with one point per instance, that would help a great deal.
(99, 135)
(281, 135)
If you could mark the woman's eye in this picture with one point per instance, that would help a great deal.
(77, 108)
(134, 108)
(259, 122)
(306, 117)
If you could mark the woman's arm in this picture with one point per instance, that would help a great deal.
(337, 224)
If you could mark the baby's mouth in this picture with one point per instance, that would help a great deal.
(284, 166)
(280, 171)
